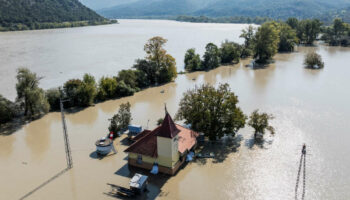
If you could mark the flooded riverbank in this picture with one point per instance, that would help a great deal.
(310, 106)
(62, 54)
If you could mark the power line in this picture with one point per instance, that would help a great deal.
(66, 139)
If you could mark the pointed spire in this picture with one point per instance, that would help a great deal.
(168, 128)
(166, 110)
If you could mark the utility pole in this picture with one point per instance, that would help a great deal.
(65, 136)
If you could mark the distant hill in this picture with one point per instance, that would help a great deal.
(276, 9)
(30, 14)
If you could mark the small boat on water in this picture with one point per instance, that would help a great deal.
(104, 146)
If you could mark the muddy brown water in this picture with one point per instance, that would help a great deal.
(62, 54)
(309, 106)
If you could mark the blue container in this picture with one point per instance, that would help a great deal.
(134, 129)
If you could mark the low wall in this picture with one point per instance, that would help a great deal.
(162, 169)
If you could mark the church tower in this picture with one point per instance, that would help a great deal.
(167, 142)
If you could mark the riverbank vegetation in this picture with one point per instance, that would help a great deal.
(51, 25)
(263, 42)
(158, 67)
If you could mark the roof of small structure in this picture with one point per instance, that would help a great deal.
(147, 144)
(168, 128)
(140, 135)
(187, 139)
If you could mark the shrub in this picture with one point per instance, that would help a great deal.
(313, 60)
(107, 88)
(53, 97)
(7, 110)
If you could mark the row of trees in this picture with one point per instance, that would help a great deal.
(337, 34)
(214, 56)
(215, 113)
(157, 67)
(261, 43)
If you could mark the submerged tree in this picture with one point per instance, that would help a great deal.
(230, 52)
(308, 31)
(121, 120)
(29, 95)
(192, 60)
(288, 38)
(53, 97)
(248, 35)
(260, 123)
(7, 109)
(211, 111)
(313, 61)
(211, 57)
(107, 88)
(162, 63)
(81, 92)
(266, 42)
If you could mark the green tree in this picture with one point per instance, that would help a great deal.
(337, 34)
(313, 60)
(248, 35)
(168, 71)
(192, 60)
(87, 91)
(230, 52)
(107, 88)
(288, 38)
(71, 91)
(266, 42)
(211, 57)
(129, 77)
(29, 95)
(293, 22)
(81, 92)
(211, 111)
(123, 89)
(158, 62)
(53, 97)
(147, 72)
(7, 110)
(121, 120)
(260, 123)
(308, 30)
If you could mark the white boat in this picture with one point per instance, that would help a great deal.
(104, 146)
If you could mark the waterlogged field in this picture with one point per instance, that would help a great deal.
(309, 107)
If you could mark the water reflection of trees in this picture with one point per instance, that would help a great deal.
(87, 116)
(38, 135)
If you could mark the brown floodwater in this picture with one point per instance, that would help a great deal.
(61, 54)
(310, 106)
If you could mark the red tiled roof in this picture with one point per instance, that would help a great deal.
(147, 145)
(140, 135)
(187, 139)
(168, 128)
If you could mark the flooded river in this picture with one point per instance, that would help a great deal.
(61, 54)
(309, 107)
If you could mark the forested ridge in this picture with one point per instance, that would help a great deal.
(36, 14)
(276, 9)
